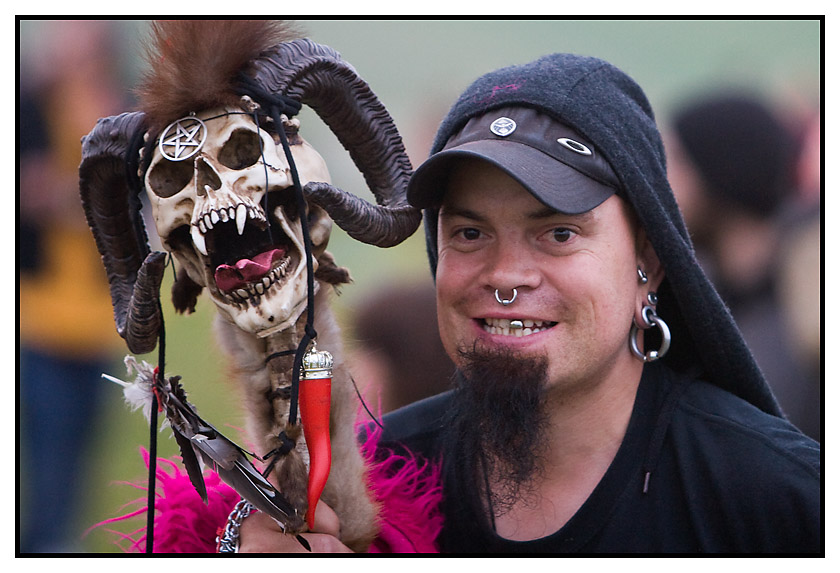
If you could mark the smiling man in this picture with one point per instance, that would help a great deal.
(558, 342)
(604, 399)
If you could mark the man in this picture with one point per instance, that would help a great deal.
(604, 399)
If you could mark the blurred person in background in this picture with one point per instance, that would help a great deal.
(398, 357)
(66, 329)
(801, 256)
(733, 167)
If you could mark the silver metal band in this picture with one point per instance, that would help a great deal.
(651, 319)
(503, 301)
(228, 542)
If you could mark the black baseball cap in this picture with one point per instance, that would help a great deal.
(554, 162)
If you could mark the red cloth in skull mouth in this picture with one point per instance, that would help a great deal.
(245, 271)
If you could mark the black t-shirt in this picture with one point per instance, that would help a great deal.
(699, 470)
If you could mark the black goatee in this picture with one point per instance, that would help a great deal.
(498, 424)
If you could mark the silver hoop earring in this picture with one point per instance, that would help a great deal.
(651, 319)
(505, 301)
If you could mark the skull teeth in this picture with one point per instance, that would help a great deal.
(198, 239)
(240, 214)
(241, 217)
(255, 290)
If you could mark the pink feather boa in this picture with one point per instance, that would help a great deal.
(407, 488)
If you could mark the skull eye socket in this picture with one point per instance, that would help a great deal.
(169, 177)
(241, 150)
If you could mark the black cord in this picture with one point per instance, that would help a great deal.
(309, 331)
(133, 179)
(153, 423)
(256, 119)
(279, 105)
(150, 509)
(284, 105)
(364, 404)
(274, 355)
(170, 262)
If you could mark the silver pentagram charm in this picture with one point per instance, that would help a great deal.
(182, 138)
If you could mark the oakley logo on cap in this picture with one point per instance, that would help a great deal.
(503, 126)
(575, 146)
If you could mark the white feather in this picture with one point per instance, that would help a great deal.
(138, 394)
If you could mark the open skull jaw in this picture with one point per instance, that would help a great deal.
(259, 277)
(252, 265)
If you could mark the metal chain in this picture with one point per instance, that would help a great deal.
(228, 542)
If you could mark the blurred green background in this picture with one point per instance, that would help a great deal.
(418, 67)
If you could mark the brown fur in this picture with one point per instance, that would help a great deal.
(185, 293)
(331, 273)
(346, 491)
(193, 64)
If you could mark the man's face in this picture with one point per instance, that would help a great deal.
(575, 276)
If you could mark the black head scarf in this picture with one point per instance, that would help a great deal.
(607, 107)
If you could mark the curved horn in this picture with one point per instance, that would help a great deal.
(317, 76)
(113, 213)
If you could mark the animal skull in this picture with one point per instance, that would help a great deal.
(231, 220)
(212, 213)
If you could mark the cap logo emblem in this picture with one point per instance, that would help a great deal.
(575, 146)
(503, 126)
(182, 138)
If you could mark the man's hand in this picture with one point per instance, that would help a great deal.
(259, 533)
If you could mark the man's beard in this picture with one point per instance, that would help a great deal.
(498, 424)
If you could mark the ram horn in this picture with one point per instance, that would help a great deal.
(317, 76)
(112, 210)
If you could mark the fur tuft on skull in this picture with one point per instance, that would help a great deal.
(226, 209)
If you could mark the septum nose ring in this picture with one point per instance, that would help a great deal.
(505, 301)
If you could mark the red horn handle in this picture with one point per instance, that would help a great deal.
(314, 397)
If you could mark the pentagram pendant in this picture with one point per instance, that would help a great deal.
(182, 138)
